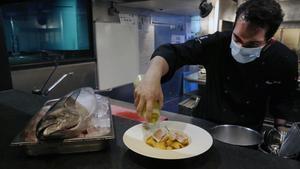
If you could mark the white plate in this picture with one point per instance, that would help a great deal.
(200, 141)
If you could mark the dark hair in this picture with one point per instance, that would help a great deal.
(266, 14)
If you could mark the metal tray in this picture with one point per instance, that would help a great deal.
(88, 142)
(236, 135)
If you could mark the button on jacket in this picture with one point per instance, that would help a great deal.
(237, 93)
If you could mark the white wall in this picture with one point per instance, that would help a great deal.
(227, 10)
(117, 54)
(146, 46)
(209, 24)
(291, 10)
(223, 10)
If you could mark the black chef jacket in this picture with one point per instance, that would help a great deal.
(237, 93)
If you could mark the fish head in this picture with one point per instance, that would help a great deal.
(58, 124)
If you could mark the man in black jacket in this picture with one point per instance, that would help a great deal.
(247, 71)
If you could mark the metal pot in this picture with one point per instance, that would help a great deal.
(236, 135)
(282, 143)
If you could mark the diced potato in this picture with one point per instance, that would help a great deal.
(169, 148)
(150, 141)
(169, 142)
(176, 145)
(161, 145)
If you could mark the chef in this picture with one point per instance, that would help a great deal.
(248, 72)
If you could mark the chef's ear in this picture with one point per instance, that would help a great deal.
(269, 43)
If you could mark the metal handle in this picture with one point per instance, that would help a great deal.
(45, 93)
(57, 82)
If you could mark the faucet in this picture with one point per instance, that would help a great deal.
(47, 91)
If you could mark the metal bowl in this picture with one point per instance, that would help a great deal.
(236, 135)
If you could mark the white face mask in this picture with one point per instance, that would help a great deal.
(242, 54)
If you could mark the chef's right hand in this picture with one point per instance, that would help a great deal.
(147, 92)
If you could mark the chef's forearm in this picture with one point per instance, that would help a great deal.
(158, 68)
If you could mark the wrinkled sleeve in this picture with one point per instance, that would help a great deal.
(192, 52)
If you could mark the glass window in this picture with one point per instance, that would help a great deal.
(46, 31)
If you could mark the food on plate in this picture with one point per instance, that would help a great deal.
(68, 117)
(166, 139)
